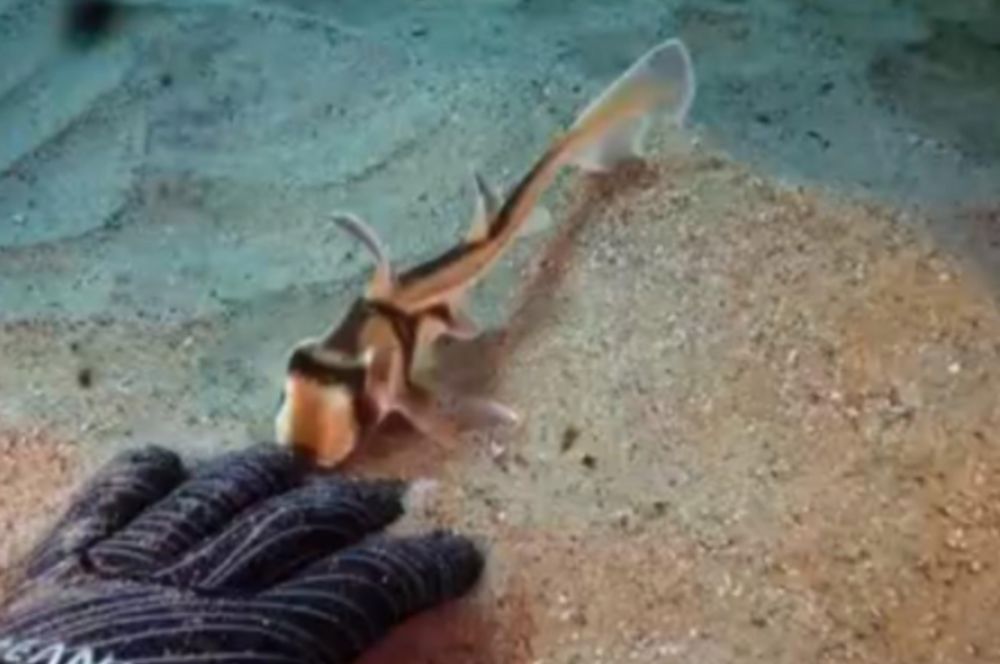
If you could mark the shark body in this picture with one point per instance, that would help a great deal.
(341, 386)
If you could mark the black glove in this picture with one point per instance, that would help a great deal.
(247, 561)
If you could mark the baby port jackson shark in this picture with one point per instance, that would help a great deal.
(341, 386)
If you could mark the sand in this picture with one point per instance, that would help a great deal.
(779, 444)
(758, 375)
(38, 476)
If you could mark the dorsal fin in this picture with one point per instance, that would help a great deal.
(487, 204)
(383, 279)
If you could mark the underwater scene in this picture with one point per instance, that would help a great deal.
(685, 312)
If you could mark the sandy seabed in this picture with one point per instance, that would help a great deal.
(760, 414)
(760, 425)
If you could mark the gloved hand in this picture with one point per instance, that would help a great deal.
(247, 561)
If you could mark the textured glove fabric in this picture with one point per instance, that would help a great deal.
(245, 560)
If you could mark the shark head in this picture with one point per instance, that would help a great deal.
(322, 413)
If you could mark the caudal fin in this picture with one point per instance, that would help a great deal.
(666, 75)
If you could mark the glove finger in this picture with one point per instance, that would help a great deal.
(124, 624)
(330, 613)
(279, 536)
(356, 597)
(126, 485)
(196, 510)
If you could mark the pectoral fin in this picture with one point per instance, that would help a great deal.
(485, 412)
(426, 412)
(664, 71)
(421, 409)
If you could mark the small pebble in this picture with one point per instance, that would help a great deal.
(569, 438)
(85, 377)
(497, 450)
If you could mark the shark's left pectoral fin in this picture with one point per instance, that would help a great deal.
(443, 417)
(419, 406)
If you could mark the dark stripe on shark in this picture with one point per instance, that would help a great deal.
(406, 326)
(305, 363)
(352, 378)
(346, 337)
(427, 268)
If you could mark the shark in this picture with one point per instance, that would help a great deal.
(341, 386)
